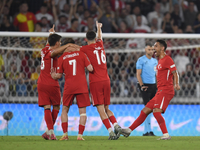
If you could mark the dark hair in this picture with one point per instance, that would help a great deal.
(91, 35)
(162, 43)
(67, 41)
(149, 44)
(73, 20)
(53, 38)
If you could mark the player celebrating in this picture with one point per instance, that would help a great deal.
(99, 79)
(167, 81)
(146, 75)
(73, 64)
(48, 89)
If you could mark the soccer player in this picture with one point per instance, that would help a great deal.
(146, 75)
(167, 81)
(99, 80)
(73, 64)
(48, 89)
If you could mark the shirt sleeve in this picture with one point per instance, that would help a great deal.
(60, 65)
(139, 64)
(86, 60)
(99, 41)
(171, 65)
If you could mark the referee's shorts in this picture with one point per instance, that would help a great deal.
(149, 93)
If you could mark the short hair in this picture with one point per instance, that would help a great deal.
(67, 41)
(148, 44)
(162, 43)
(91, 35)
(53, 38)
(73, 20)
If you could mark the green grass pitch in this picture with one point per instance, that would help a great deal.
(99, 143)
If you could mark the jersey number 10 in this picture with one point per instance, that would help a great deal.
(103, 57)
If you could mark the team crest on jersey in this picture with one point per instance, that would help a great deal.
(159, 66)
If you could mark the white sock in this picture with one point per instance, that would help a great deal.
(166, 134)
(115, 124)
(129, 130)
(110, 130)
(80, 135)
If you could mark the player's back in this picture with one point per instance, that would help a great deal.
(46, 64)
(73, 64)
(96, 54)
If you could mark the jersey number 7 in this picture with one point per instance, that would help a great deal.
(103, 57)
(73, 62)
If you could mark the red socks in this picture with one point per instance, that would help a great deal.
(138, 121)
(161, 122)
(54, 115)
(48, 119)
(81, 129)
(65, 127)
(106, 123)
(112, 119)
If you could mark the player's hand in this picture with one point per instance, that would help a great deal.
(144, 88)
(53, 73)
(72, 49)
(99, 25)
(177, 87)
(52, 29)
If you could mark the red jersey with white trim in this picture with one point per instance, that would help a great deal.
(46, 64)
(73, 64)
(96, 54)
(164, 74)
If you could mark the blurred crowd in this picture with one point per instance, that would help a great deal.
(19, 70)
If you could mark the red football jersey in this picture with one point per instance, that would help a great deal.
(164, 74)
(97, 57)
(46, 64)
(73, 64)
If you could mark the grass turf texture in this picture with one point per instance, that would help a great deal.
(99, 143)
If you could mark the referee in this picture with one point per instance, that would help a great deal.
(146, 76)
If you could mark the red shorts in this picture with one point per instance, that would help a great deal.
(161, 100)
(82, 99)
(48, 95)
(100, 92)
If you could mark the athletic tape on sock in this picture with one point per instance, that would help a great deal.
(83, 114)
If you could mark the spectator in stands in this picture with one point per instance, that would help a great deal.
(62, 23)
(146, 6)
(5, 11)
(175, 15)
(166, 6)
(106, 20)
(181, 60)
(60, 4)
(4, 87)
(25, 20)
(189, 29)
(38, 42)
(123, 27)
(141, 28)
(117, 5)
(189, 14)
(136, 11)
(135, 43)
(43, 13)
(197, 24)
(156, 14)
(124, 17)
(79, 10)
(21, 87)
(95, 11)
(6, 25)
(2, 57)
(45, 24)
(74, 25)
(154, 26)
(168, 23)
(90, 25)
(188, 81)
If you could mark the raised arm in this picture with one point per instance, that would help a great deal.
(54, 11)
(176, 80)
(99, 32)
